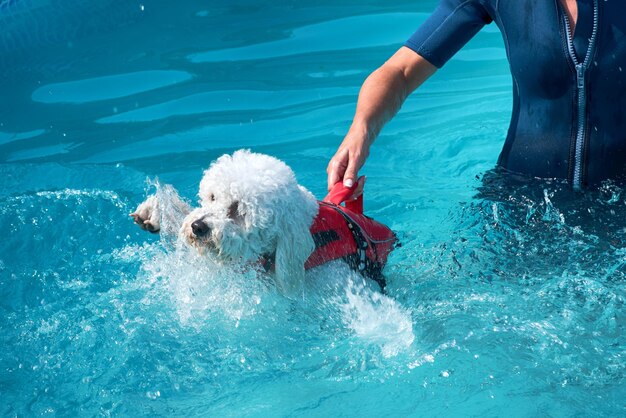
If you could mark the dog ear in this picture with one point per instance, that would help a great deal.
(294, 245)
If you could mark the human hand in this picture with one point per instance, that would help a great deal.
(347, 161)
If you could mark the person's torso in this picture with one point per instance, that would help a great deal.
(569, 91)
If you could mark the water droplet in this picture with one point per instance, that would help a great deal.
(153, 395)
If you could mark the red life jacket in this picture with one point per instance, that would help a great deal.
(344, 232)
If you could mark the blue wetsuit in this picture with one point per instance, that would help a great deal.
(569, 93)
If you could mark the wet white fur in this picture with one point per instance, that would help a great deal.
(273, 215)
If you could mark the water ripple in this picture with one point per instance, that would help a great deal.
(225, 101)
(107, 87)
(355, 32)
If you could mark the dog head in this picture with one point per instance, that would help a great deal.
(251, 206)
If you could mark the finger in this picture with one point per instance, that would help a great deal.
(350, 175)
(333, 178)
(359, 188)
(336, 169)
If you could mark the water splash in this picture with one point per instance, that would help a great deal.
(202, 290)
(376, 319)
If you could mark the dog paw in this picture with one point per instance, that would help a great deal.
(147, 215)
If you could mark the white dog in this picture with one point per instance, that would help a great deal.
(251, 209)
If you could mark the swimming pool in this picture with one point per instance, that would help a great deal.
(505, 298)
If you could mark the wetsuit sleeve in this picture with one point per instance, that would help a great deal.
(448, 29)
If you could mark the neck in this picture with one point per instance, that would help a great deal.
(571, 9)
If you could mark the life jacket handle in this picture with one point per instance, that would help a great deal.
(340, 194)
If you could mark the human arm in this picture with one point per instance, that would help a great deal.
(451, 25)
(380, 98)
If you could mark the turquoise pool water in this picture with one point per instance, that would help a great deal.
(505, 298)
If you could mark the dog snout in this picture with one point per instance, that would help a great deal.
(200, 228)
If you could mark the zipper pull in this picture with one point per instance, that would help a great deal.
(580, 76)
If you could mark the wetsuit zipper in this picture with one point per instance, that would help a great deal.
(581, 93)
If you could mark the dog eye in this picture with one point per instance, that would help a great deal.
(233, 211)
(212, 197)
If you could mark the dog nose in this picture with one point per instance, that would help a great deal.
(199, 228)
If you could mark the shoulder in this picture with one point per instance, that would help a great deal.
(481, 9)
